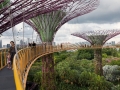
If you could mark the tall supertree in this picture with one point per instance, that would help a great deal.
(48, 24)
(18, 11)
(98, 38)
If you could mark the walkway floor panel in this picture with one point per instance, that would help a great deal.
(7, 79)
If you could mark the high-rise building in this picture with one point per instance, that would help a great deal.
(21, 42)
(0, 43)
(110, 43)
(8, 45)
(28, 40)
(113, 42)
(53, 43)
(4, 46)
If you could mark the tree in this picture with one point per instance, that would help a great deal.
(85, 54)
(97, 38)
(48, 24)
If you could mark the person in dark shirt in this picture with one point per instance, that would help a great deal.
(34, 44)
(12, 51)
(30, 45)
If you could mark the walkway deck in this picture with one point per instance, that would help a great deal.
(7, 79)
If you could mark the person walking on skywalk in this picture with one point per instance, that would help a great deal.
(12, 51)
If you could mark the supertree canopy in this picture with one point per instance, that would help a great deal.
(48, 24)
(20, 10)
(98, 37)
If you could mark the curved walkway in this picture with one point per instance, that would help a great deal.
(28, 56)
(7, 79)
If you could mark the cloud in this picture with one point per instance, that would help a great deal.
(7, 36)
(64, 34)
(106, 16)
(107, 12)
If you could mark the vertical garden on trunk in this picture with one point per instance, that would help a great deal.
(48, 24)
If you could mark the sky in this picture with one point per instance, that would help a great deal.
(105, 17)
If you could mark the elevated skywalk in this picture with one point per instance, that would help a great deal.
(7, 79)
(16, 79)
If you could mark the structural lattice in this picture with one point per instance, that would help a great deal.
(98, 37)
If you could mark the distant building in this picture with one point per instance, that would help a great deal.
(53, 43)
(112, 43)
(28, 40)
(8, 45)
(21, 42)
(0, 43)
(4, 46)
(84, 43)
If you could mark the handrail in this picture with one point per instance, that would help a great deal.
(3, 59)
(27, 56)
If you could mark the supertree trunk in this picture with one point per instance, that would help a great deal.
(98, 61)
(48, 73)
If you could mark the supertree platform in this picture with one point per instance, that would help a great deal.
(14, 12)
(98, 37)
(48, 24)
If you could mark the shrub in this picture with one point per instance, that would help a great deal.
(93, 81)
(37, 77)
(111, 72)
(71, 69)
(104, 55)
(115, 62)
(65, 86)
(117, 87)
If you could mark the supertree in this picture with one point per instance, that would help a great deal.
(48, 24)
(97, 38)
(17, 11)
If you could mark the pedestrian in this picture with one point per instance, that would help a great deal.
(34, 44)
(29, 44)
(12, 51)
(8, 60)
(61, 45)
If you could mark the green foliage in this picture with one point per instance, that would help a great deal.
(60, 56)
(34, 72)
(117, 87)
(37, 77)
(85, 54)
(65, 86)
(111, 73)
(46, 24)
(93, 81)
(115, 62)
(110, 52)
(72, 74)
(70, 69)
(4, 3)
(104, 55)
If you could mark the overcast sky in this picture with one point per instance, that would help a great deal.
(106, 16)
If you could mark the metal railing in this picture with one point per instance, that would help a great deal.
(3, 58)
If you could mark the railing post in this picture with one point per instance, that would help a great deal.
(1, 59)
(5, 56)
